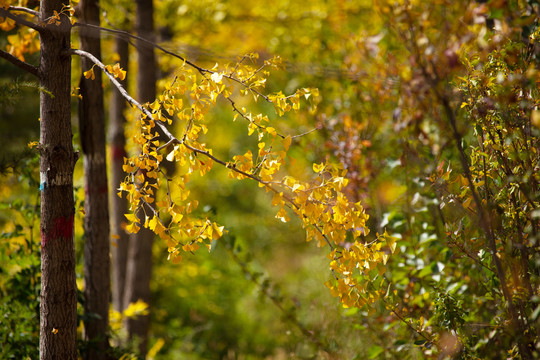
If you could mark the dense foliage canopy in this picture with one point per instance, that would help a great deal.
(364, 176)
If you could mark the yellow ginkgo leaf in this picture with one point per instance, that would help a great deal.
(89, 74)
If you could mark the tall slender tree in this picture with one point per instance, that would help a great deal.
(117, 138)
(58, 314)
(58, 298)
(139, 267)
(96, 221)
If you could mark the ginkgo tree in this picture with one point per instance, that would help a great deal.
(327, 215)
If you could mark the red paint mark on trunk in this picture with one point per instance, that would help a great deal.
(118, 152)
(62, 228)
(93, 190)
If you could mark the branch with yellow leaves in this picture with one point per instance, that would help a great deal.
(125, 94)
(334, 210)
(172, 139)
(203, 71)
(127, 35)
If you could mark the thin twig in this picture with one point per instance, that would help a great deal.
(304, 134)
(200, 69)
(288, 314)
(170, 142)
(403, 320)
(126, 34)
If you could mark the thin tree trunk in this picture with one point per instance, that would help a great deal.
(96, 206)
(119, 207)
(139, 269)
(58, 308)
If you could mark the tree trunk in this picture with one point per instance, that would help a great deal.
(139, 267)
(119, 207)
(96, 206)
(58, 308)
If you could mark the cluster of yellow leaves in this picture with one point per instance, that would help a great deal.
(115, 70)
(172, 219)
(6, 24)
(357, 264)
(134, 310)
(331, 219)
(67, 10)
(33, 144)
(327, 215)
(25, 41)
(284, 104)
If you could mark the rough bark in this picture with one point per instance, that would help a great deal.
(96, 206)
(119, 206)
(139, 268)
(58, 308)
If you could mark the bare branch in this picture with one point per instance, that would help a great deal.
(20, 20)
(23, 9)
(304, 134)
(127, 35)
(289, 315)
(201, 70)
(20, 64)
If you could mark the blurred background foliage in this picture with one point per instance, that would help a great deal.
(432, 106)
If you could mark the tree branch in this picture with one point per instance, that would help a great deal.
(201, 70)
(486, 223)
(121, 89)
(127, 35)
(204, 72)
(20, 64)
(23, 9)
(172, 138)
(20, 20)
(313, 336)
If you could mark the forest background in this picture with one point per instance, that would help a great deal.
(404, 137)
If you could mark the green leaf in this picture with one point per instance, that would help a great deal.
(375, 351)
(426, 271)
(535, 313)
